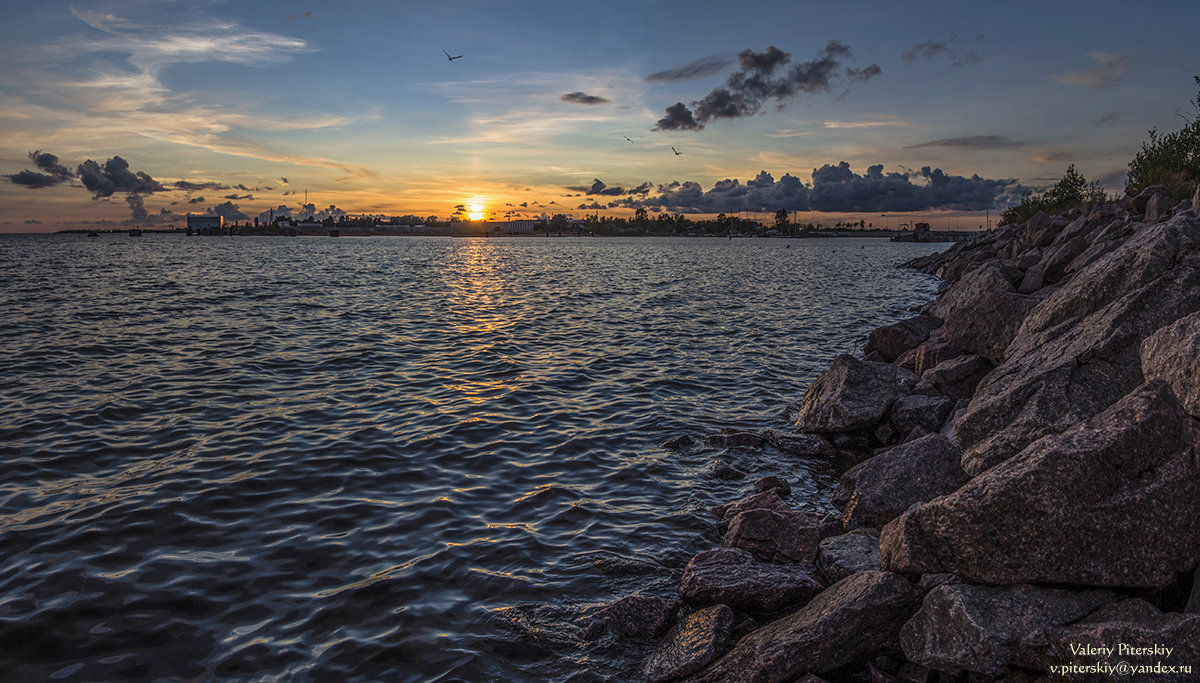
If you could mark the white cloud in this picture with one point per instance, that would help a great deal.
(1107, 75)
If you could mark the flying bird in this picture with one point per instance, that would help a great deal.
(626, 137)
(677, 152)
(449, 57)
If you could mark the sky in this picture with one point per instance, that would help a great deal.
(143, 111)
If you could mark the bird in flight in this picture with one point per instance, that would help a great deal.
(626, 137)
(677, 152)
(449, 57)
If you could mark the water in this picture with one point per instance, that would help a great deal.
(405, 459)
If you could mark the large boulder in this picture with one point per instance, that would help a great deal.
(985, 281)
(694, 642)
(1078, 350)
(1138, 635)
(882, 488)
(841, 556)
(643, 616)
(959, 376)
(931, 352)
(852, 395)
(987, 325)
(963, 628)
(851, 622)
(892, 341)
(1142, 200)
(920, 412)
(1112, 502)
(1173, 353)
(1159, 207)
(775, 536)
(765, 500)
(734, 577)
(1039, 230)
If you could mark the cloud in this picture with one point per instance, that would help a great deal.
(582, 98)
(188, 186)
(762, 77)
(32, 221)
(835, 188)
(1104, 76)
(238, 197)
(137, 208)
(284, 181)
(599, 188)
(932, 49)
(114, 176)
(197, 200)
(1109, 118)
(56, 173)
(230, 211)
(973, 142)
(700, 68)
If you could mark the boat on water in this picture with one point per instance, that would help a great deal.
(135, 232)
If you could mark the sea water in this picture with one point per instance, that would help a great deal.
(389, 458)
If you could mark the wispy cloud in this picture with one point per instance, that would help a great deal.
(582, 98)
(1112, 68)
(972, 142)
(934, 49)
(700, 68)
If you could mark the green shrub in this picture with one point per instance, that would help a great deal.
(1172, 160)
(1072, 191)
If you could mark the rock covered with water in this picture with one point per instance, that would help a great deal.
(643, 616)
(694, 642)
(736, 578)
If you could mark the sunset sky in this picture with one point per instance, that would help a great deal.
(147, 110)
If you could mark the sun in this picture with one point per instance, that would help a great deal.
(475, 211)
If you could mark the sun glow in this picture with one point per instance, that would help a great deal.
(475, 211)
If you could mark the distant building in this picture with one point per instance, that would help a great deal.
(206, 225)
(509, 227)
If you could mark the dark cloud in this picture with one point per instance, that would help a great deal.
(700, 68)
(763, 77)
(55, 173)
(284, 181)
(238, 197)
(137, 209)
(32, 221)
(972, 141)
(189, 186)
(196, 200)
(114, 176)
(1110, 118)
(582, 98)
(835, 188)
(932, 49)
(599, 188)
(230, 211)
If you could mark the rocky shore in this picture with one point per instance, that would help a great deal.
(1026, 499)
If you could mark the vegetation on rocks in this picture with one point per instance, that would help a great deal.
(1172, 160)
(1072, 191)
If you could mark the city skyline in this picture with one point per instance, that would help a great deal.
(144, 111)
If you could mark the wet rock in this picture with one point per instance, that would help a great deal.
(1077, 351)
(892, 341)
(851, 622)
(731, 439)
(958, 377)
(767, 500)
(976, 628)
(773, 482)
(734, 577)
(885, 486)
(1110, 502)
(841, 556)
(642, 616)
(694, 642)
(1133, 623)
(926, 412)
(803, 445)
(680, 442)
(831, 525)
(852, 395)
(775, 536)
(1173, 353)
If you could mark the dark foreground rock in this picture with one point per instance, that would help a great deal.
(841, 556)
(1173, 353)
(643, 616)
(880, 489)
(1111, 502)
(694, 642)
(893, 340)
(784, 536)
(852, 395)
(964, 628)
(735, 578)
(851, 622)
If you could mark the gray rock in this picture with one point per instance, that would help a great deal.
(987, 325)
(1028, 258)
(784, 537)
(694, 642)
(1039, 230)
(1159, 207)
(892, 341)
(734, 577)
(1035, 279)
(1173, 353)
(852, 395)
(767, 500)
(1132, 622)
(643, 616)
(803, 445)
(1055, 266)
(885, 486)
(773, 482)
(1111, 502)
(851, 622)
(1077, 351)
(958, 377)
(985, 281)
(932, 352)
(1196, 201)
(1142, 200)
(722, 469)
(927, 412)
(841, 556)
(976, 628)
